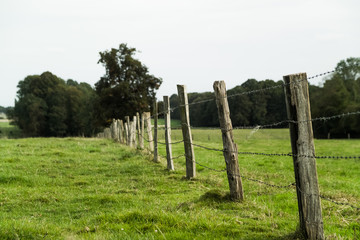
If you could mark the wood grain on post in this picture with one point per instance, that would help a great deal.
(302, 143)
(170, 164)
(186, 131)
(138, 129)
(230, 147)
(142, 131)
(127, 130)
(155, 113)
(134, 139)
(121, 132)
(149, 130)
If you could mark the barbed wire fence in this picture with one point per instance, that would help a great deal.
(289, 187)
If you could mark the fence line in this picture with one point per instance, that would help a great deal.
(294, 154)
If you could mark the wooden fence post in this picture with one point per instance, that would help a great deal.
(121, 132)
(149, 131)
(230, 147)
(127, 130)
(142, 132)
(170, 163)
(134, 140)
(186, 130)
(155, 113)
(138, 127)
(303, 150)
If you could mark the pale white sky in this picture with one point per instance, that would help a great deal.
(191, 42)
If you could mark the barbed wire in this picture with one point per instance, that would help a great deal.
(342, 115)
(289, 186)
(328, 199)
(243, 93)
(276, 154)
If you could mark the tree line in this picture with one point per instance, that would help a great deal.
(339, 93)
(47, 105)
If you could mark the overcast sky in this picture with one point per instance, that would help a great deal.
(191, 42)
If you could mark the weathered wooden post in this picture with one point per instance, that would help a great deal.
(138, 127)
(155, 113)
(118, 123)
(170, 164)
(121, 132)
(142, 132)
(186, 131)
(133, 132)
(303, 149)
(127, 130)
(149, 131)
(230, 147)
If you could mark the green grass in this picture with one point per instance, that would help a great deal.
(77, 188)
(175, 123)
(9, 131)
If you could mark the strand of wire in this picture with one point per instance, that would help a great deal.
(247, 178)
(278, 154)
(291, 185)
(329, 199)
(245, 93)
(342, 115)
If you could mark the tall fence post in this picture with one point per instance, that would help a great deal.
(133, 132)
(303, 150)
(186, 130)
(121, 132)
(155, 113)
(142, 132)
(149, 130)
(127, 130)
(138, 127)
(170, 164)
(230, 147)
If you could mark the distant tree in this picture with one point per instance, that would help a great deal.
(126, 88)
(48, 106)
(340, 94)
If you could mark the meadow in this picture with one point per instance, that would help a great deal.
(78, 188)
(9, 131)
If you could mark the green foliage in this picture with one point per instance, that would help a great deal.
(246, 109)
(74, 188)
(126, 88)
(340, 94)
(49, 106)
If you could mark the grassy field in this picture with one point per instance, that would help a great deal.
(76, 188)
(9, 131)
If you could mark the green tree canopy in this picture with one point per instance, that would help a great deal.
(48, 106)
(127, 87)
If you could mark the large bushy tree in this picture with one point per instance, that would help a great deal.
(340, 94)
(127, 87)
(48, 106)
